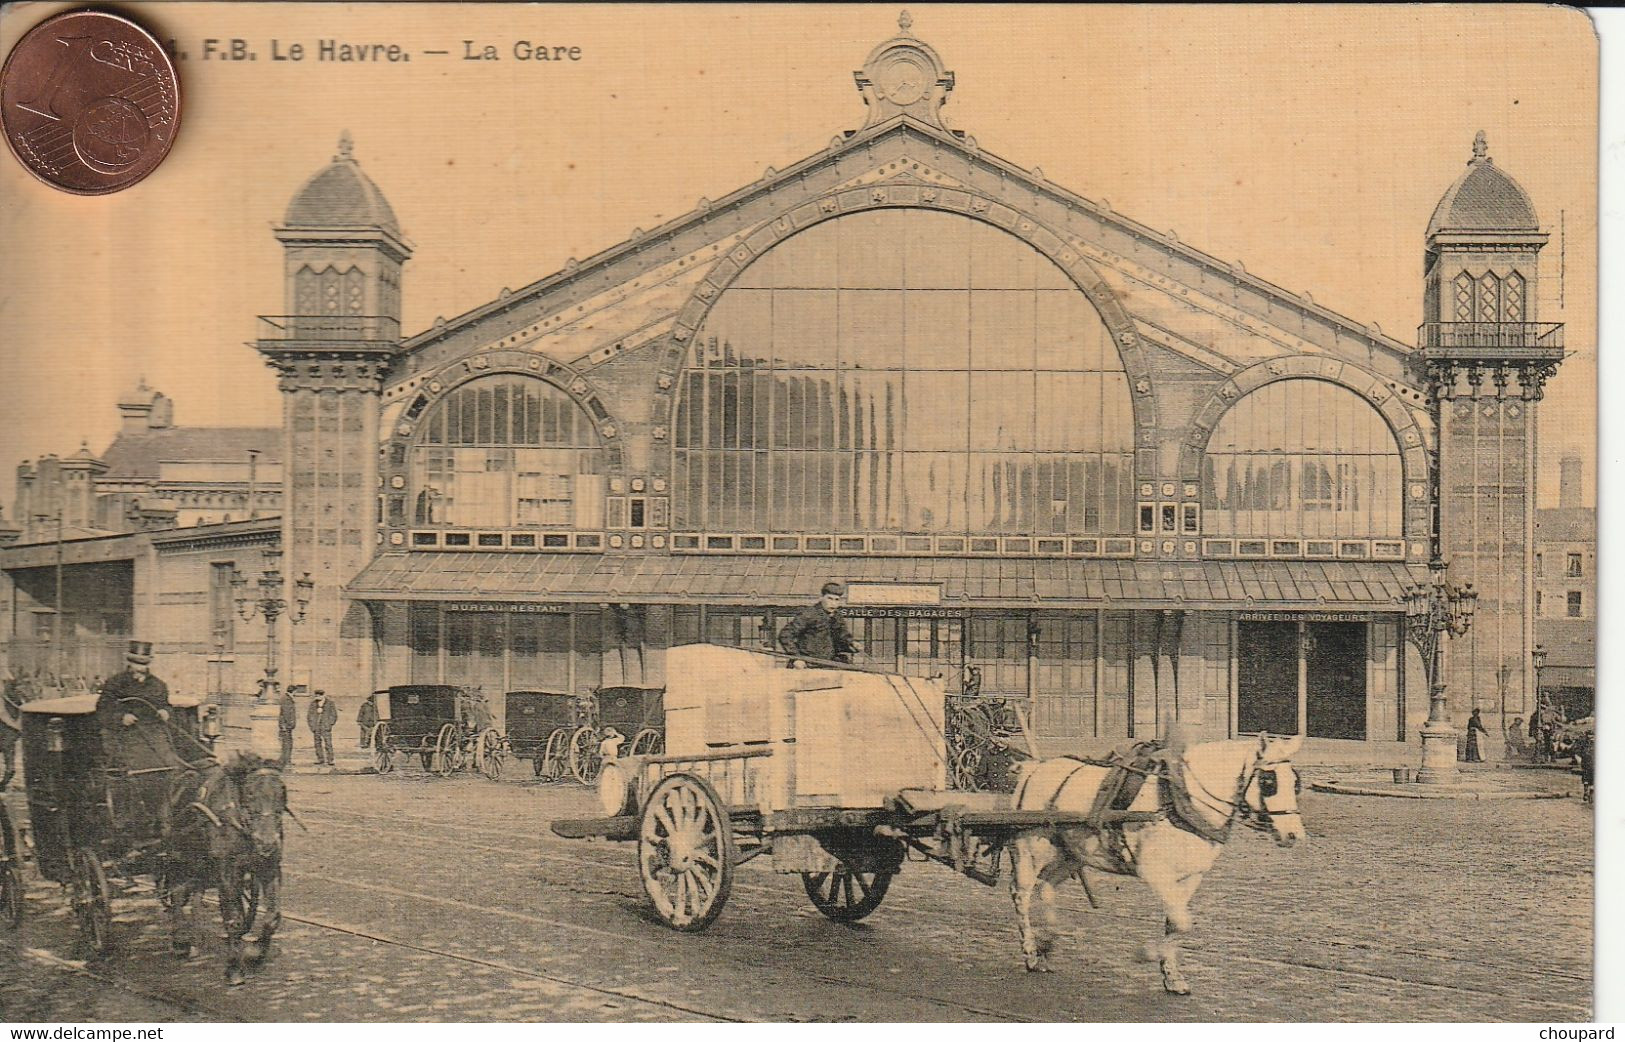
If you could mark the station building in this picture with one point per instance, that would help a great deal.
(1116, 475)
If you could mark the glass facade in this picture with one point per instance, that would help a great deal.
(1303, 458)
(904, 371)
(507, 451)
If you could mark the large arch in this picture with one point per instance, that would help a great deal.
(1376, 392)
(399, 513)
(910, 195)
(1104, 343)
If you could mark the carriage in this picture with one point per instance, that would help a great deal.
(438, 724)
(95, 799)
(835, 773)
(564, 735)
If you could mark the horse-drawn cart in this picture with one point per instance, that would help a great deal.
(436, 723)
(837, 774)
(834, 772)
(95, 799)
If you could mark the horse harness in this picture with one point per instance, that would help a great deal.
(1127, 773)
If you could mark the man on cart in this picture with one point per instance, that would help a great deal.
(136, 681)
(819, 632)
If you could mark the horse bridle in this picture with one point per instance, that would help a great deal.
(235, 821)
(1260, 818)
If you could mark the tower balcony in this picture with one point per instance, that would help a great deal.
(1491, 342)
(279, 333)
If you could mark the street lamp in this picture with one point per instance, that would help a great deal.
(1436, 610)
(1537, 658)
(265, 598)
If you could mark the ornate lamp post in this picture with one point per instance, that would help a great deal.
(1436, 610)
(265, 598)
(1537, 658)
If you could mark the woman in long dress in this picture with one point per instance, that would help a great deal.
(1475, 747)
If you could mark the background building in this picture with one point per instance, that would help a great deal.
(1566, 595)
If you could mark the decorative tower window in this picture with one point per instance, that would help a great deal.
(1489, 297)
(1464, 297)
(1512, 297)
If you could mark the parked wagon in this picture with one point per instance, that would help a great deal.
(94, 799)
(630, 719)
(539, 725)
(435, 723)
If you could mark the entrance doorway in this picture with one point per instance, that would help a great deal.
(1267, 677)
(1335, 655)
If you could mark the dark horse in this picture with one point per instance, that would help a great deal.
(226, 835)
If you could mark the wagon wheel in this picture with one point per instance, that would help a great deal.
(443, 757)
(554, 761)
(844, 895)
(383, 757)
(686, 852)
(92, 901)
(648, 742)
(493, 754)
(967, 769)
(11, 873)
(585, 763)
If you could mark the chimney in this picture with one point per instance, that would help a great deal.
(1568, 485)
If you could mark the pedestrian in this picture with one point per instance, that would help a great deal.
(136, 682)
(287, 719)
(1475, 727)
(321, 716)
(367, 720)
(819, 632)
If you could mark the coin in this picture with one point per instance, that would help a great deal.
(89, 102)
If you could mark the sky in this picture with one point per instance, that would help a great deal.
(1310, 143)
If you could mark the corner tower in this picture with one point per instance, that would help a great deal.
(343, 251)
(1486, 359)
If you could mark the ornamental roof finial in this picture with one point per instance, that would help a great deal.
(905, 22)
(1481, 146)
(346, 146)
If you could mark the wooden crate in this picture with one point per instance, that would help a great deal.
(836, 738)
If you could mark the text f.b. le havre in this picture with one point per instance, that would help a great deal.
(334, 50)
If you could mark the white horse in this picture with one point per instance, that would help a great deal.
(1249, 781)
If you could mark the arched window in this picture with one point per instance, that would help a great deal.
(904, 371)
(1303, 458)
(507, 451)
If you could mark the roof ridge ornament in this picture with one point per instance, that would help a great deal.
(904, 75)
(346, 148)
(1481, 148)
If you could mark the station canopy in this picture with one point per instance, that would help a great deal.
(1347, 586)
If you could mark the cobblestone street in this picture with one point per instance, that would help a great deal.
(426, 899)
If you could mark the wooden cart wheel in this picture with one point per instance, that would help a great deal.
(493, 754)
(648, 742)
(844, 895)
(446, 749)
(585, 762)
(686, 852)
(967, 769)
(11, 874)
(383, 758)
(554, 761)
(92, 901)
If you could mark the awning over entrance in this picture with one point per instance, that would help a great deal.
(1351, 586)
